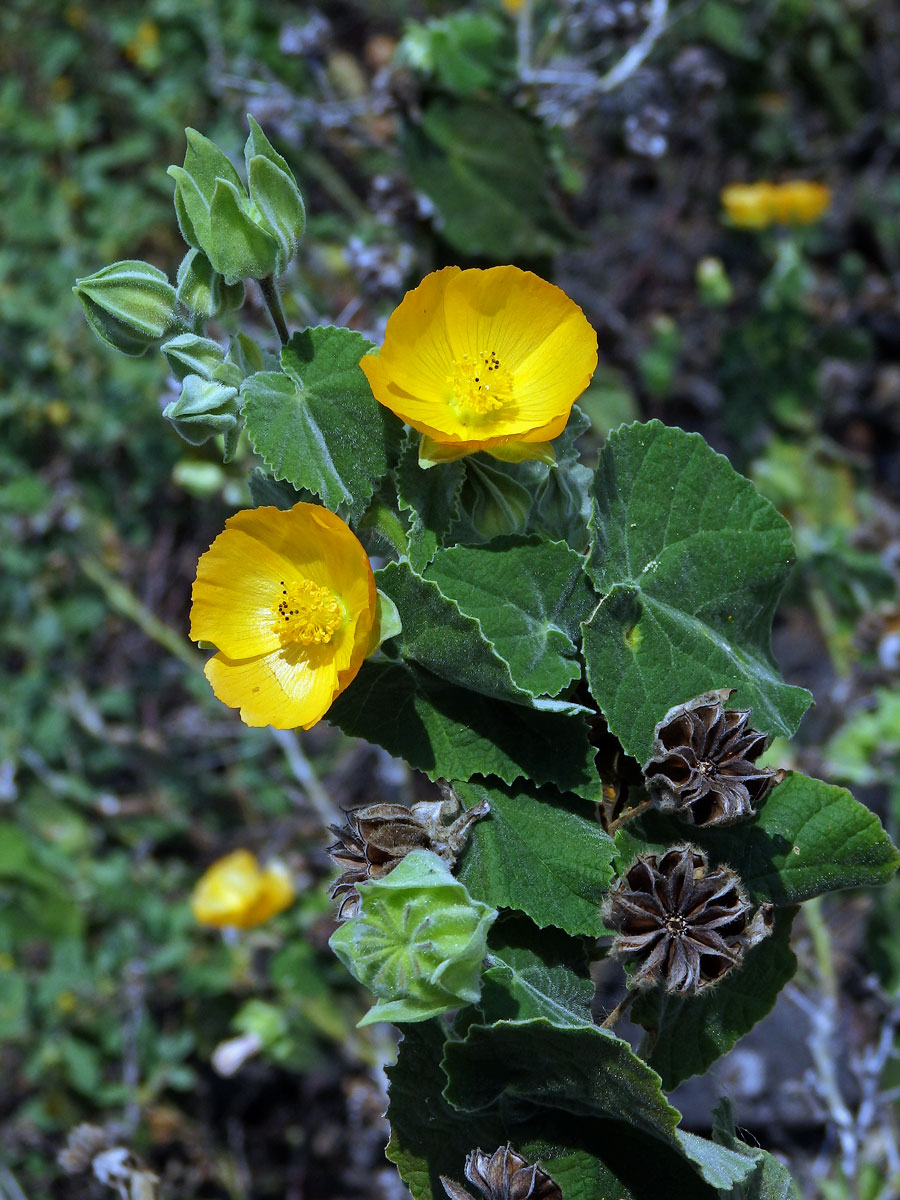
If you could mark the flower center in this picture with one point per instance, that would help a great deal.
(307, 613)
(479, 385)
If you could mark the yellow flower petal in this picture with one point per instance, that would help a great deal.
(235, 893)
(480, 358)
(289, 600)
(284, 689)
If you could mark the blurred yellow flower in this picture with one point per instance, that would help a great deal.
(758, 205)
(749, 205)
(236, 892)
(484, 360)
(288, 599)
(800, 202)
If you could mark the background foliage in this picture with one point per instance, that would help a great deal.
(421, 135)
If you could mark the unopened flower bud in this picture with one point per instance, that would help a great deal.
(203, 409)
(418, 942)
(130, 305)
(713, 284)
(243, 236)
(203, 290)
(189, 354)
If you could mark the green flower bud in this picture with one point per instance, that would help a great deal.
(129, 305)
(189, 354)
(203, 290)
(203, 409)
(244, 237)
(274, 191)
(713, 284)
(418, 942)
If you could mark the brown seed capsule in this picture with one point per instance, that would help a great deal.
(702, 768)
(503, 1175)
(682, 924)
(379, 836)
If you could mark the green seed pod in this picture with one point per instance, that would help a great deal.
(130, 305)
(244, 237)
(189, 354)
(418, 942)
(203, 290)
(203, 409)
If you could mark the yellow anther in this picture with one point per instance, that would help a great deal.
(307, 613)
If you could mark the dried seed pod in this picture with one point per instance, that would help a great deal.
(83, 1144)
(702, 768)
(503, 1175)
(379, 836)
(682, 924)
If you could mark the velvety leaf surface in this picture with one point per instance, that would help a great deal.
(583, 1071)
(534, 973)
(810, 837)
(529, 597)
(690, 561)
(316, 423)
(484, 169)
(431, 498)
(540, 855)
(445, 641)
(429, 1138)
(693, 1032)
(770, 1180)
(451, 733)
(264, 490)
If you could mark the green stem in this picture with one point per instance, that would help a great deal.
(333, 182)
(124, 601)
(272, 298)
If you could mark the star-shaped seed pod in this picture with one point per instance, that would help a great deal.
(503, 1175)
(377, 837)
(680, 923)
(702, 769)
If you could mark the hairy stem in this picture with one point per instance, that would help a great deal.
(272, 298)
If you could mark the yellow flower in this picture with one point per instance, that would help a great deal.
(758, 205)
(484, 360)
(749, 205)
(236, 892)
(288, 599)
(800, 202)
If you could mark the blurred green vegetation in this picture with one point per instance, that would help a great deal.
(421, 135)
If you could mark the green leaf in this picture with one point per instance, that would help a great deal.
(428, 1137)
(691, 1033)
(483, 167)
(529, 597)
(533, 974)
(539, 854)
(452, 733)
(690, 561)
(440, 638)
(264, 490)
(318, 424)
(584, 1072)
(431, 497)
(809, 838)
(770, 1180)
